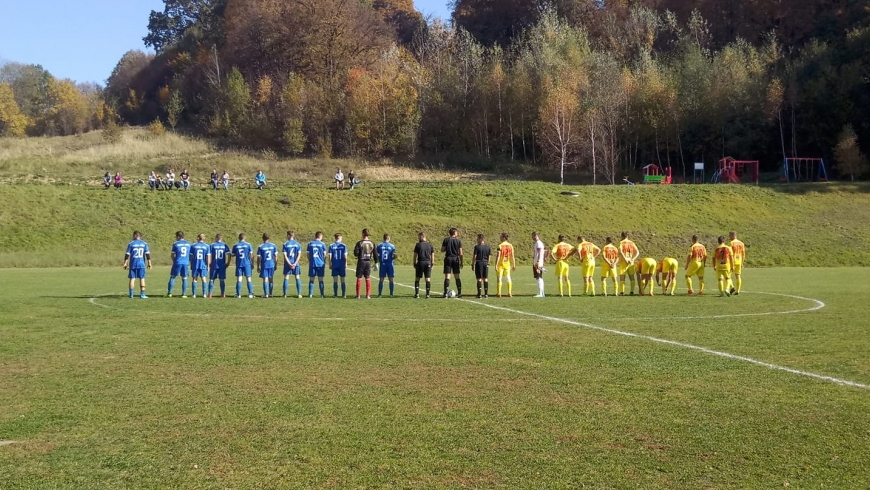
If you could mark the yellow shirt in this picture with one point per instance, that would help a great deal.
(562, 250)
(505, 254)
(721, 255)
(611, 254)
(739, 250)
(588, 251)
(628, 249)
(698, 252)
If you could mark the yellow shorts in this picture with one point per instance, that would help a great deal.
(723, 273)
(503, 270)
(625, 269)
(670, 266)
(588, 269)
(648, 267)
(695, 269)
(607, 271)
(738, 268)
(562, 268)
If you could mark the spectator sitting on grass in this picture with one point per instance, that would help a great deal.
(226, 178)
(339, 179)
(260, 180)
(107, 179)
(118, 181)
(153, 182)
(351, 179)
(185, 179)
(214, 179)
(170, 179)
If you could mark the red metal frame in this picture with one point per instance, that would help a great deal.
(731, 171)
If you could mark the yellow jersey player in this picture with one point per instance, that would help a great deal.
(739, 250)
(695, 264)
(666, 275)
(610, 265)
(504, 264)
(628, 254)
(560, 253)
(587, 251)
(647, 268)
(723, 262)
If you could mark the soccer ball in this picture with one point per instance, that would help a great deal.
(451, 294)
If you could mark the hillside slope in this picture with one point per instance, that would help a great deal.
(819, 225)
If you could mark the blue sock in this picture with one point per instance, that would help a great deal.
(131, 292)
(335, 289)
(238, 288)
(310, 288)
(271, 287)
(299, 286)
(250, 288)
(380, 287)
(343, 289)
(286, 285)
(265, 288)
(392, 287)
(194, 287)
(223, 287)
(183, 286)
(210, 287)
(171, 285)
(322, 289)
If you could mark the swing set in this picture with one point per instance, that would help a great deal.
(803, 170)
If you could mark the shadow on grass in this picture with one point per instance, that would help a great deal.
(803, 188)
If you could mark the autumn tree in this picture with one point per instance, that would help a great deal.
(849, 159)
(191, 21)
(12, 121)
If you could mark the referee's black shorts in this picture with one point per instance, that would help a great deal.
(481, 270)
(424, 269)
(451, 265)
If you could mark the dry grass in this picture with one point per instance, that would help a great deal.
(83, 159)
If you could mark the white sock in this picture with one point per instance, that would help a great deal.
(541, 287)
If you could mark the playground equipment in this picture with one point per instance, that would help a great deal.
(699, 176)
(733, 171)
(652, 174)
(804, 170)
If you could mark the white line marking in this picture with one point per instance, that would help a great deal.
(6, 443)
(819, 305)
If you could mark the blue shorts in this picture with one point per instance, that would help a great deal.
(136, 274)
(264, 273)
(386, 270)
(243, 271)
(314, 271)
(291, 271)
(219, 273)
(339, 272)
(200, 273)
(178, 270)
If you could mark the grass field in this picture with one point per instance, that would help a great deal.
(100, 391)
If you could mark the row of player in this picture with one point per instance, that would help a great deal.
(208, 263)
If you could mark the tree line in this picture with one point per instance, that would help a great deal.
(602, 86)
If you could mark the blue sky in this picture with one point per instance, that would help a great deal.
(84, 39)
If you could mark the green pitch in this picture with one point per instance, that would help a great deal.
(101, 391)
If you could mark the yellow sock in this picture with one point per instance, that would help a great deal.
(510, 286)
(498, 287)
(567, 281)
(592, 287)
(604, 286)
(689, 283)
(632, 287)
(702, 285)
(739, 283)
(560, 287)
(622, 287)
(673, 286)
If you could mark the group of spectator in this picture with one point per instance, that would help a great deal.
(109, 181)
(169, 182)
(339, 180)
(218, 180)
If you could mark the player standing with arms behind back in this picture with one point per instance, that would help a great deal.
(628, 254)
(363, 251)
(504, 264)
(453, 261)
(316, 263)
(695, 264)
(200, 263)
(267, 255)
(610, 266)
(292, 255)
(135, 259)
(385, 254)
(538, 257)
(723, 262)
(180, 262)
(243, 252)
(338, 265)
(424, 259)
(587, 251)
(220, 260)
(480, 258)
(739, 250)
(560, 253)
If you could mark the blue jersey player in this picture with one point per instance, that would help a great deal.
(136, 259)
(200, 260)
(316, 263)
(180, 263)
(385, 255)
(292, 255)
(220, 260)
(267, 259)
(338, 265)
(243, 253)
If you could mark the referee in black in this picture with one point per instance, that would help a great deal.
(452, 248)
(424, 259)
(482, 252)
